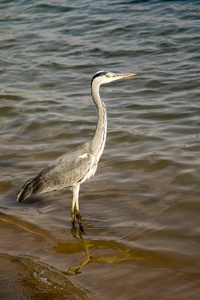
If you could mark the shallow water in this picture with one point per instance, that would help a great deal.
(141, 210)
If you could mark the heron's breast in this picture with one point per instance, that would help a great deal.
(89, 174)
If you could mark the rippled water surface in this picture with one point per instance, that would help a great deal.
(141, 210)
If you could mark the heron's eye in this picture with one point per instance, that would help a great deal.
(108, 75)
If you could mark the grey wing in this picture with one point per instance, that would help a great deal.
(65, 171)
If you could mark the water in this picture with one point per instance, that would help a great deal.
(141, 210)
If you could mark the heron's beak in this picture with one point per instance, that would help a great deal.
(124, 75)
(128, 75)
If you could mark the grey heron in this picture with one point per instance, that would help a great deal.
(76, 166)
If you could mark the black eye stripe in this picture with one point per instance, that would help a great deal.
(101, 73)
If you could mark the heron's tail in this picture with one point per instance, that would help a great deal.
(26, 190)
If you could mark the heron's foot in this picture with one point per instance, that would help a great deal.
(73, 232)
(78, 216)
(73, 218)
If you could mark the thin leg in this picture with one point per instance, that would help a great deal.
(78, 216)
(75, 196)
(73, 209)
(75, 206)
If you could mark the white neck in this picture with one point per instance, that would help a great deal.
(99, 138)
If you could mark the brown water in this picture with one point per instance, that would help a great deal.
(141, 210)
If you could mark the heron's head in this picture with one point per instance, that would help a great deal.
(102, 77)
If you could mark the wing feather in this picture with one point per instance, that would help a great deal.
(64, 172)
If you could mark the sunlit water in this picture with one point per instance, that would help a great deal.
(141, 210)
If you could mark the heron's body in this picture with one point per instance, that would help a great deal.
(74, 167)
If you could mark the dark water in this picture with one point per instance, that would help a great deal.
(141, 210)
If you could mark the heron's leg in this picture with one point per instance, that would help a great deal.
(74, 205)
(78, 216)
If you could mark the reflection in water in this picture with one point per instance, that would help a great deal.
(121, 253)
(45, 276)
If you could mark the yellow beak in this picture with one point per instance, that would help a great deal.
(128, 75)
(124, 75)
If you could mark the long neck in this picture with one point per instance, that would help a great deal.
(99, 138)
